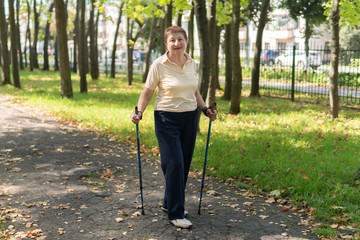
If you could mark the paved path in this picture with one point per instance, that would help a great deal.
(61, 182)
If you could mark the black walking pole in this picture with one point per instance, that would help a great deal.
(139, 161)
(212, 107)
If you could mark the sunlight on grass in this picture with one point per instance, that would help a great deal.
(273, 144)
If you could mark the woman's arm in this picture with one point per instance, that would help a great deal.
(201, 104)
(143, 101)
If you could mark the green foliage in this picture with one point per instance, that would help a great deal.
(349, 11)
(273, 144)
(223, 13)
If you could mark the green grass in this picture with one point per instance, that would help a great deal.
(272, 144)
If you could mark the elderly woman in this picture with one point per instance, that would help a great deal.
(176, 118)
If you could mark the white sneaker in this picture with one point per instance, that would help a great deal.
(186, 213)
(182, 223)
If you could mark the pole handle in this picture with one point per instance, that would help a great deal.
(136, 110)
(213, 106)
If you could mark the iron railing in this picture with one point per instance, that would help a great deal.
(293, 74)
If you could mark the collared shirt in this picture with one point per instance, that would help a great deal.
(176, 85)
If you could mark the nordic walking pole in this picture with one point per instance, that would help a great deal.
(212, 107)
(139, 161)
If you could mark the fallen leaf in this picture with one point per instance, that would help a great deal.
(270, 200)
(123, 213)
(212, 192)
(29, 224)
(335, 225)
(285, 208)
(305, 176)
(136, 214)
(248, 204)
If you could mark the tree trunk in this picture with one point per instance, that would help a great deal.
(217, 45)
(255, 76)
(25, 47)
(161, 36)
(228, 62)
(56, 54)
(14, 57)
(31, 62)
(5, 76)
(46, 39)
(66, 85)
(168, 14)
(203, 31)
(190, 46)
(129, 50)
(18, 34)
(130, 40)
(179, 19)
(150, 46)
(334, 60)
(308, 33)
(36, 33)
(237, 77)
(113, 53)
(213, 64)
(94, 64)
(82, 47)
(76, 38)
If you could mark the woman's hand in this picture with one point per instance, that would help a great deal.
(136, 118)
(211, 114)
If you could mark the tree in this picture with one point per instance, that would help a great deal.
(94, 64)
(113, 52)
(18, 34)
(75, 37)
(130, 41)
(311, 11)
(334, 18)
(137, 20)
(237, 77)
(82, 47)
(255, 76)
(28, 37)
(150, 46)
(225, 18)
(228, 62)
(36, 34)
(203, 31)
(190, 46)
(13, 35)
(5, 76)
(47, 37)
(214, 61)
(66, 85)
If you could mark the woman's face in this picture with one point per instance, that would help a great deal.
(176, 43)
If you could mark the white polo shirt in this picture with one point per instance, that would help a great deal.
(176, 85)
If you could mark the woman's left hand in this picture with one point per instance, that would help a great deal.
(211, 114)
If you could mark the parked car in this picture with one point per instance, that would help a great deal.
(286, 59)
(267, 57)
(138, 56)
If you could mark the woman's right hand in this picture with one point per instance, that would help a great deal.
(136, 118)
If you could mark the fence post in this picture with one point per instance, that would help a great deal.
(293, 75)
(106, 70)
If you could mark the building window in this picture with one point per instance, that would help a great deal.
(281, 45)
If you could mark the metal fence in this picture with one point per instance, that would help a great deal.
(293, 74)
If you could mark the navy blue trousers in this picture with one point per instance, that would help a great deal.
(176, 134)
